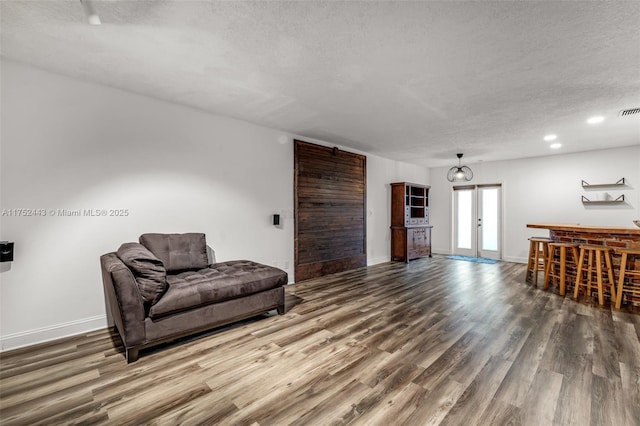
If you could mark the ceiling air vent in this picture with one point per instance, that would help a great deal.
(629, 112)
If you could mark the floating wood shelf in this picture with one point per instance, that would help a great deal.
(586, 184)
(620, 199)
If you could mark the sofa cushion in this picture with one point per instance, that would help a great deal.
(178, 252)
(219, 282)
(148, 270)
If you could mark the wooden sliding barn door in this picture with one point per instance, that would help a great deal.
(330, 210)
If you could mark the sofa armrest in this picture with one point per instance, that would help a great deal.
(211, 255)
(127, 306)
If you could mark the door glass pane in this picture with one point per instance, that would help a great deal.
(463, 219)
(489, 219)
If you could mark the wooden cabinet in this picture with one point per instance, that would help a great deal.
(410, 229)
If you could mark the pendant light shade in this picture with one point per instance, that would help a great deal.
(459, 173)
(90, 12)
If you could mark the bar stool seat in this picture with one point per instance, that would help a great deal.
(602, 258)
(625, 272)
(538, 253)
(560, 263)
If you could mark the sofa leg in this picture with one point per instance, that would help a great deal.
(280, 309)
(132, 355)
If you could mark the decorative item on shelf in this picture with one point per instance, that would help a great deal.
(637, 223)
(460, 172)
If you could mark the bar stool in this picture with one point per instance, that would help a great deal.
(538, 253)
(603, 256)
(561, 263)
(624, 272)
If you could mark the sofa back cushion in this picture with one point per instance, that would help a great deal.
(150, 273)
(178, 252)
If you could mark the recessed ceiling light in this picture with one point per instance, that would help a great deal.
(595, 120)
(555, 145)
(550, 138)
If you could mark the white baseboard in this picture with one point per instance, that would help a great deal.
(376, 260)
(442, 251)
(45, 334)
(515, 259)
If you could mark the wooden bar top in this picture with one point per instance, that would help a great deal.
(595, 229)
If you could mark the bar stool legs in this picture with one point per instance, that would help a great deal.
(593, 266)
(626, 272)
(602, 255)
(538, 253)
(552, 263)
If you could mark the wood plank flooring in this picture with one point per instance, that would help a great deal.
(437, 341)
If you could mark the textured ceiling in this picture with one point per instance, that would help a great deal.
(412, 81)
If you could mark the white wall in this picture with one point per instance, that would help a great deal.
(66, 144)
(380, 173)
(545, 189)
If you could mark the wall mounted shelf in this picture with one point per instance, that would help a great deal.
(620, 199)
(619, 183)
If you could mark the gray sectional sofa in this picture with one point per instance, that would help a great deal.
(165, 287)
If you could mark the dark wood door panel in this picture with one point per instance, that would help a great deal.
(319, 269)
(330, 207)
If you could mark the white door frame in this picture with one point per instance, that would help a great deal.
(475, 222)
(470, 245)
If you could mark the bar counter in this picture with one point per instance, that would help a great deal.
(608, 236)
(590, 229)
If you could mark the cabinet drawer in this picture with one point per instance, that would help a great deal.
(418, 252)
(419, 237)
(412, 254)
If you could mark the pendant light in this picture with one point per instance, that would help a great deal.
(90, 12)
(459, 173)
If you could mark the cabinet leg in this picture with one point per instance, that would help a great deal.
(132, 355)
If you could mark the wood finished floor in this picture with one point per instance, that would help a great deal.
(437, 341)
